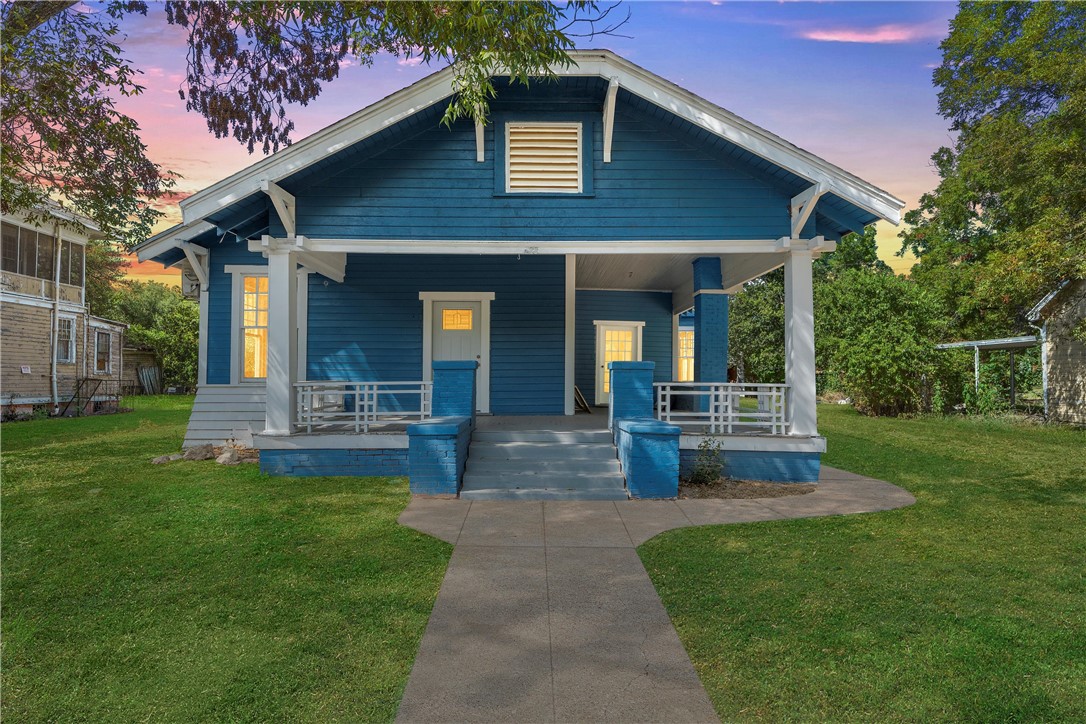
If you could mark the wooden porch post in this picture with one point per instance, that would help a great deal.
(282, 336)
(799, 350)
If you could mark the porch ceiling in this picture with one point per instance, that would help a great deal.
(667, 272)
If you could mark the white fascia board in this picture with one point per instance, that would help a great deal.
(352, 129)
(170, 239)
(482, 246)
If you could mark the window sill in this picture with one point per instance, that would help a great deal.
(543, 194)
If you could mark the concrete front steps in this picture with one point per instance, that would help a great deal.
(542, 465)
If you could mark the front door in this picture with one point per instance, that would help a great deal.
(615, 342)
(457, 334)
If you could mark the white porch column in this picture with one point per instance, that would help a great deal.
(282, 340)
(799, 349)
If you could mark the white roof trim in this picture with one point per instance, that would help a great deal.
(605, 64)
(170, 239)
(1034, 314)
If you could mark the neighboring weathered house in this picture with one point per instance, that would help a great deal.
(353, 282)
(54, 356)
(1062, 316)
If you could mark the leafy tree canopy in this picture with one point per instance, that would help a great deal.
(160, 319)
(854, 251)
(63, 68)
(1008, 219)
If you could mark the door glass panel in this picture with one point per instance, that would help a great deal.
(456, 319)
(618, 346)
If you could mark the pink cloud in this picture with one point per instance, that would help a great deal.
(889, 33)
(410, 62)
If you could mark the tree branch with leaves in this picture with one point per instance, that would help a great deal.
(247, 64)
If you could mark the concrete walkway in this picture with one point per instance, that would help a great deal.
(547, 614)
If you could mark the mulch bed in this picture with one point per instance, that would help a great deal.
(743, 490)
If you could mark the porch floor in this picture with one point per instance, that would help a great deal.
(544, 423)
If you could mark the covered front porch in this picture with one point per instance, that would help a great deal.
(610, 309)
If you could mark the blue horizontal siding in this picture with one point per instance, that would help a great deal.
(660, 185)
(220, 307)
(370, 326)
(652, 308)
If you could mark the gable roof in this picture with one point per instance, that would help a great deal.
(840, 186)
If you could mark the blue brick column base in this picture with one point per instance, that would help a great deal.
(710, 325)
(632, 394)
(649, 453)
(437, 453)
(454, 389)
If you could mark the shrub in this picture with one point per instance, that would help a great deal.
(709, 464)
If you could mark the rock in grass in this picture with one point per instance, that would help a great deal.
(229, 457)
(200, 452)
(166, 458)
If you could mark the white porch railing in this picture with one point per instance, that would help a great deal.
(716, 408)
(345, 406)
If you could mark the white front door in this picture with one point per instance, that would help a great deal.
(457, 331)
(456, 326)
(615, 342)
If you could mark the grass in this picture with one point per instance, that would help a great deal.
(968, 606)
(194, 591)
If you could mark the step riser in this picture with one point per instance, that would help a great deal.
(553, 467)
(530, 451)
(542, 495)
(571, 437)
(563, 482)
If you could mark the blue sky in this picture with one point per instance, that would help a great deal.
(848, 81)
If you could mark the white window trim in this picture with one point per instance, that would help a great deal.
(238, 272)
(70, 360)
(482, 399)
(599, 325)
(553, 124)
(109, 362)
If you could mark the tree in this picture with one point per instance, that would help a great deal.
(160, 319)
(247, 62)
(105, 269)
(875, 335)
(62, 136)
(1008, 219)
(854, 251)
(756, 329)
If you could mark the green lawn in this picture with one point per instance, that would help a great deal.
(194, 591)
(969, 605)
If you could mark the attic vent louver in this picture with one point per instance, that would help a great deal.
(544, 158)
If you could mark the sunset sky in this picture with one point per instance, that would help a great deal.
(848, 81)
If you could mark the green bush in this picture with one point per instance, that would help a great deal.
(709, 463)
(877, 334)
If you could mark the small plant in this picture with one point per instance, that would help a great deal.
(709, 464)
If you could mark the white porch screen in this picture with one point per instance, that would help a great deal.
(543, 157)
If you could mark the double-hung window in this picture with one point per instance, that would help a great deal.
(65, 340)
(254, 327)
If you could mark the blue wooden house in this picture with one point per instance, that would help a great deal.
(391, 292)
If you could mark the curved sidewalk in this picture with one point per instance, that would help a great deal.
(547, 614)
